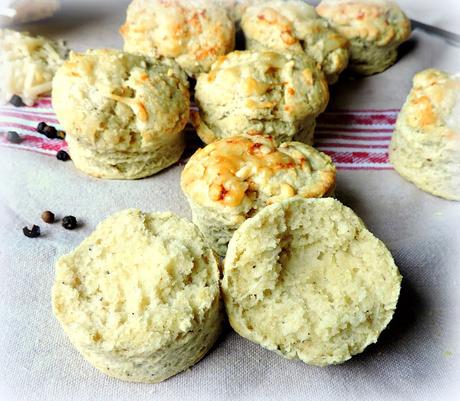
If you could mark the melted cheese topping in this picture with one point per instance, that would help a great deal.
(380, 21)
(251, 167)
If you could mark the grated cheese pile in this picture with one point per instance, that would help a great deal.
(27, 65)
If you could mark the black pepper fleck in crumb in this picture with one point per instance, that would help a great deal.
(62, 155)
(33, 232)
(41, 126)
(13, 137)
(48, 217)
(69, 222)
(16, 101)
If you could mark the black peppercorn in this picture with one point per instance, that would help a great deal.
(16, 101)
(13, 137)
(33, 232)
(50, 132)
(62, 155)
(48, 217)
(60, 135)
(41, 126)
(69, 222)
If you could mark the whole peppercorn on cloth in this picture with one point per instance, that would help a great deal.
(417, 356)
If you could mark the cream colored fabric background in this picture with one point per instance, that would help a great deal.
(417, 358)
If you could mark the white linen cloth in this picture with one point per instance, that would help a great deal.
(18, 11)
(417, 357)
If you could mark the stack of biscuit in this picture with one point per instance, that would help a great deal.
(302, 276)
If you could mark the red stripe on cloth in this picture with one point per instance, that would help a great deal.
(353, 129)
(38, 143)
(321, 145)
(321, 135)
(354, 111)
(357, 167)
(43, 102)
(9, 125)
(358, 157)
(342, 130)
(357, 119)
(26, 114)
(32, 118)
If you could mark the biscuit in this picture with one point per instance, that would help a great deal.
(233, 178)
(260, 92)
(195, 33)
(139, 298)
(306, 279)
(295, 26)
(375, 29)
(123, 114)
(425, 146)
(236, 8)
(27, 65)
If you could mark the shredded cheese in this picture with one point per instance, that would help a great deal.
(27, 65)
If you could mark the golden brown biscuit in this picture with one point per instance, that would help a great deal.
(195, 33)
(375, 29)
(123, 113)
(295, 26)
(425, 147)
(260, 92)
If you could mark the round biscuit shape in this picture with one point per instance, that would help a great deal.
(140, 298)
(374, 28)
(231, 179)
(193, 32)
(425, 146)
(123, 114)
(260, 92)
(293, 25)
(306, 279)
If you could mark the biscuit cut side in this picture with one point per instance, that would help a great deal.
(139, 298)
(306, 279)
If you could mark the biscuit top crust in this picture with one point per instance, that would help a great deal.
(236, 8)
(137, 283)
(27, 65)
(287, 86)
(111, 100)
(433, 105)
(251, 169)
(193, 32)
(292, 25)
(378, 21)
